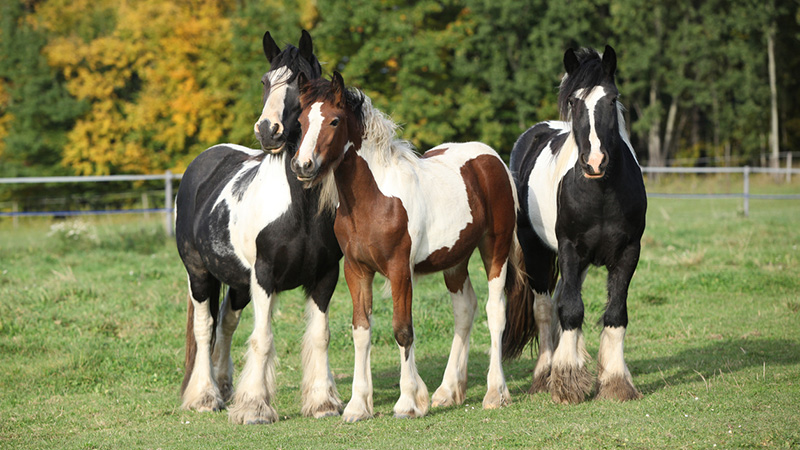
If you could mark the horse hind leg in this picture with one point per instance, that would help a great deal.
(221, 356)
(453, 389)
(497, 394)
(319, 394)
(549, 329)
(200, 391)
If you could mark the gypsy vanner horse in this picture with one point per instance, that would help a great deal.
(244, 220)
(584, 203)
(400, 215)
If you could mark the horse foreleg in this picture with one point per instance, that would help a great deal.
(614, 380)
(221, 355)
(570, 380)
(453, 389)
(360, 285)
(497, 394)
(413, 401)
(320, 397)
(256, 387)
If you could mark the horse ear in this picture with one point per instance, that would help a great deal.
(609, 61)
(570, 61)
(302, 82)
(271, 49)
(337, 84)
(306, 47)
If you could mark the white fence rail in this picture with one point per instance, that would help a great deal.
(169, 178)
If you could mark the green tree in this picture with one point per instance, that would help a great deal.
(36, 109)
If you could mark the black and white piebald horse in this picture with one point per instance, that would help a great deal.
(584, 202)
(244, 220)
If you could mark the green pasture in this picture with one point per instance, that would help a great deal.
(92, 325)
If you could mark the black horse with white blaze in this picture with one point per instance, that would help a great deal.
(583, 199)
(243, 220)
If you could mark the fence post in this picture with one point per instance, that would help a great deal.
(168, 203)
(788, 167)
(15, 210)
(746, 191)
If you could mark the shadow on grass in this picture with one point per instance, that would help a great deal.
(709, 359)
(717, 357)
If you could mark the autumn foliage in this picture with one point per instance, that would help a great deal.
(142, 86)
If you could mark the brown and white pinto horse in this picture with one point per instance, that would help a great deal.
(402, 215)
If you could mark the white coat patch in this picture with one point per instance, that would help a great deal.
(264, 200)
(273, 107)
(309, 143)
(433, 193)
(543, 184)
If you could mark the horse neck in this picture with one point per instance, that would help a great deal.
(356, 185)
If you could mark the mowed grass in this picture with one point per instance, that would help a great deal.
(92, 330)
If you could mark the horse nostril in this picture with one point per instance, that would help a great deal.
(275, 130)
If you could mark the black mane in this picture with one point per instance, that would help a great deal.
(290, 57)
(588, 74)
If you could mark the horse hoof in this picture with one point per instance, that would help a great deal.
(539, 383)
(252, 412)
(444, 397)
(324, 414)
(496, 398)
(354, 419)
(617, 388)
(569, 385)
(208, 402)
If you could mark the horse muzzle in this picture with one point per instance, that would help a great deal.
(271, 137)
(306, 171)
(594, 167)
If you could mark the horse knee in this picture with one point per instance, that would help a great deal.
(570, 314)
(404, 335)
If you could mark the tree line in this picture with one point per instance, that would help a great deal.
(142, 86)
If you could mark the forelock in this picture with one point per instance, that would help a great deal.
(290, 58)
(321, 90)
(588, 75)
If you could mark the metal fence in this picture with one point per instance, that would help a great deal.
(169, 178)
(167, 210)
(745, 171)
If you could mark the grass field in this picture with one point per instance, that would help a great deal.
(92, 327)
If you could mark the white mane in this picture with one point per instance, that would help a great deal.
(380, 144)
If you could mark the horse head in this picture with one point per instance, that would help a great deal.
(588, 100)
(280, 101)
(332, 123)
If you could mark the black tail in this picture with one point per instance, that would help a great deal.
(520, 321)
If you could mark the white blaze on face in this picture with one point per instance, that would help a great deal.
(309, 144)
(273, 107)
(595, 155)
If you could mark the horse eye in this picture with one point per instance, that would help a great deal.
(334, 122)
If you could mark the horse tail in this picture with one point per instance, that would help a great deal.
(191, 346)
(520, 321)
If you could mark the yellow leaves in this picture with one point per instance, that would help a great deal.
(150, 84)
